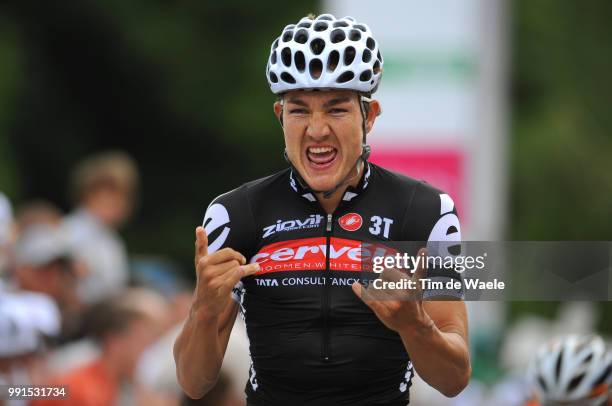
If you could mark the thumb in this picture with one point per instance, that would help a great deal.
(201, 245)
(419, 272)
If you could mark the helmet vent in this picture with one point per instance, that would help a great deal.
(365, 75)
(287, 36)
(349, 55)
(301, 36)
(558, 364)
(305, 24)
(286, 77)
(604, 376)
(346, 77)
(273, 77)
(320, 26)
(370, 43)
(337, 36)
(367, 56)
(273, 58)
(275, 44)
(542, 383)
(300, 62)
(286, 56)
(316, 68)
(575, 382)
(340, 24)
(332, 60)
(360, 27)
(355, 35)
(317, 46)
(376, 68)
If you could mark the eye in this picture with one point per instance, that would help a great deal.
(337, 110)
(297, 111)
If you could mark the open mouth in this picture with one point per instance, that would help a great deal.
(321, 157)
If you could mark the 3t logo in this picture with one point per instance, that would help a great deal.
(380, 224)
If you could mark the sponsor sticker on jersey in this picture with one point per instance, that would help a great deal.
(351, 222)
(310, 254)
(312, 221)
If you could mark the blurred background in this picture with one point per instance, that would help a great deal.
(142, 112)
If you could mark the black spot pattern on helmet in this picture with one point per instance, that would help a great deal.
(286, 76)
(316, 68)
(300, 61)
(346, 76)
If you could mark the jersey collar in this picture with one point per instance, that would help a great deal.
(298, 185)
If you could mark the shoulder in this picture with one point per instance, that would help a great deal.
(430, 213)
(416, 195)
(230, 221)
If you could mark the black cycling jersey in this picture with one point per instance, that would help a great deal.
(312, 340)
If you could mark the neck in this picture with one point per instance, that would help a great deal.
(332, 202)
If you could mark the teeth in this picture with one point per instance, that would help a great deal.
(320, 150)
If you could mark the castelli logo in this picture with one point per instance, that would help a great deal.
(351, 222)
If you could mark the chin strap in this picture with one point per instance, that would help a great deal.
(347, 179)
(363, 158)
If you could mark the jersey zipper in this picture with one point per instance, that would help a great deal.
(325, 353)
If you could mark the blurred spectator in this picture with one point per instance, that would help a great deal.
(157, 372)
(26, 320)
(123, 326)
(43, 264)
(104, 189)
(6, 232)
(37, 212)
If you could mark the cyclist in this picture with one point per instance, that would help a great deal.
(572, 371)
(286, 248)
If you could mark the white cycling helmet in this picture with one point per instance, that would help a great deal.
(572, 371)
(325, 53)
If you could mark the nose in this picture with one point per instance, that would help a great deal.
(318, 128)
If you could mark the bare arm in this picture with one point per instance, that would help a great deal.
(438, 346)
(201, 345)
(434, 333)
(199, 350)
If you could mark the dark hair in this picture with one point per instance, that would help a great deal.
(108, 317)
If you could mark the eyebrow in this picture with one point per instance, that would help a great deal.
(330, 103)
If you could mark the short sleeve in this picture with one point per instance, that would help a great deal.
(434, 216)
(228, 222)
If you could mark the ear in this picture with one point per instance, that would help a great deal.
(278, 110)
(374, 111)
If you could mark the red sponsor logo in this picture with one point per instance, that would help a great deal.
(351, 221)
(310, 254)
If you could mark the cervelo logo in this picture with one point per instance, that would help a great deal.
(350, 222)
(312, 221)
(310, 254)
(216, 217)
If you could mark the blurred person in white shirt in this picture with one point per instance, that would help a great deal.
(104, 190)
(43, 263)
(27, 320)
(6, 233)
